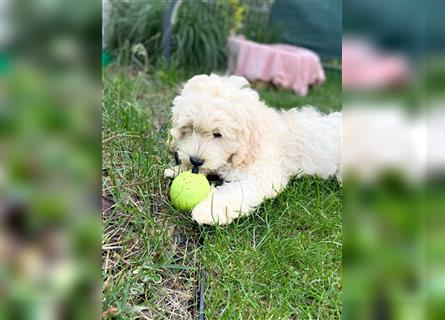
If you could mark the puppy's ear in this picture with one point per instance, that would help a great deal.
(173, 133)
(171, 140)
(251, 135)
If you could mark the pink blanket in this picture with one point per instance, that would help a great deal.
(367, 67)
(286, 66)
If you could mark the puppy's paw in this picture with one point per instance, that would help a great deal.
(206, 213)
(171, 172)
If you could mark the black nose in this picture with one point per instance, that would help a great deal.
(196, 161)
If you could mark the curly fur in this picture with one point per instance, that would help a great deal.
(259, 149)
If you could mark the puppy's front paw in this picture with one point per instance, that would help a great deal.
(171, 172)
(206, 213)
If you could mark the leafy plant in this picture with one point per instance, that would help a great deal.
(200, 36)
(136, 23)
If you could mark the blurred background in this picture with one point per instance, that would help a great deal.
(393, 160)
(393, 66)
(50, 226)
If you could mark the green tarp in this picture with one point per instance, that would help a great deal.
(313, 24)
(411, 26)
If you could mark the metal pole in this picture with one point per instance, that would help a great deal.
(167, 31)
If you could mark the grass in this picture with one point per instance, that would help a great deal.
(282, 262)
(326, 97)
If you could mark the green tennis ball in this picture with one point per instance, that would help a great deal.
(188, 189)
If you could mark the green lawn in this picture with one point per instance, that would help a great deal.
(283, 262)
(326, 97)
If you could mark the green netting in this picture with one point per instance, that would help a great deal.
(313, 24)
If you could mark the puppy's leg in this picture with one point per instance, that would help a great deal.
(232, 200)
(174, 171)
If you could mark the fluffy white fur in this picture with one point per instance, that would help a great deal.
(259, 149)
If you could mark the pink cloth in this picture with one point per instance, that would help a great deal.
(286, 66)
(366, 67)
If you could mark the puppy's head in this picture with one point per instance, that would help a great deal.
(216, 123)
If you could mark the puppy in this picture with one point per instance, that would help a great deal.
(221, 126)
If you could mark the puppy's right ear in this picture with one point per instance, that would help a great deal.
(173, 133)
(171, 139)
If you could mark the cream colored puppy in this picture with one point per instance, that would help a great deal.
(220, 125)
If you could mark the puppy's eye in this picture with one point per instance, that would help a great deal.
(185, 130)
(217, 135)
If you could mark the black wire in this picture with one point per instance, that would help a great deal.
(201, 281)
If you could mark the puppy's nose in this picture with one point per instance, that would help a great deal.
(196, 161)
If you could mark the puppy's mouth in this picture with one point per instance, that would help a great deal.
(177, 160)
(213, 177)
